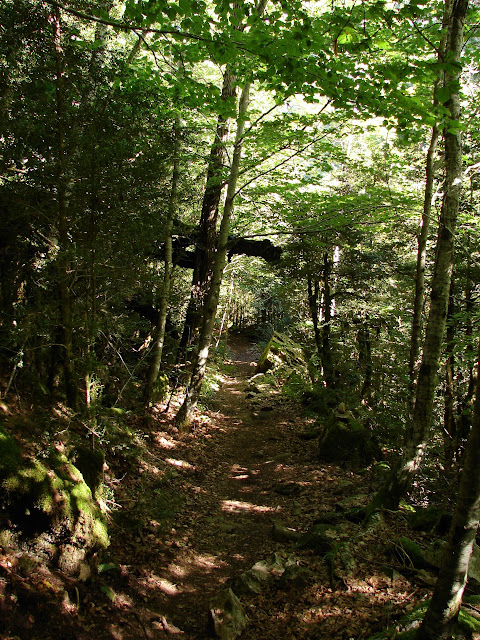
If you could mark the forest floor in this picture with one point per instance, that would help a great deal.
(197, 509)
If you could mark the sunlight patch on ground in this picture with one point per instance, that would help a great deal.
(186, 564)
(207, 561)
(243, 473)
(123, 601)
(165, 442)
(236, 468)
(177, 571)
(145, 466)
(179, 463)
(155, 582)
(197, 490)
(238, 556)
(238, 506)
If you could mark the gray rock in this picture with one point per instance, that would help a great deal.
(250, 582)
(280, 533)
(296, 577)
(227, 619)
(320, 537)
(343, 563)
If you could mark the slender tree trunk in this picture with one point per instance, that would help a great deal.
(326, 353)
(447, 596)
(419, 296)
(463, 417)
(206, 242)
(159, 333)
(205, 245)
(322, 334)
(185, 414)
(365, 357)
(469, 307)
(401, 478)
(449, 422)
(313, 288)
(63, 261)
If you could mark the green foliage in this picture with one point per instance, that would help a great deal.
(9, 453)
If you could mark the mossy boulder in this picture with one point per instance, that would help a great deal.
(48, 505)
(347, 440)
(283, 353)
(9, 453)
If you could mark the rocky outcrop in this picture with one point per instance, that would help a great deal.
(48, 504)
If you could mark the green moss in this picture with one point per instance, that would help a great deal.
(160, 388)
(81, 492)
(56, 488)
(101, 533)
(414, 552)
(468, 622)
(9, 452)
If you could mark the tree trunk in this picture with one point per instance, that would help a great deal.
(63, 261)
(418, 301)
(365, 357)
(159, 333)
(401, 478)
(419, 296)
(205, 245)
(449, 422)
(185, 414)
(313, 288)
(326, 352)
(447, 596)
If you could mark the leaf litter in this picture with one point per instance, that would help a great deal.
(197, 511)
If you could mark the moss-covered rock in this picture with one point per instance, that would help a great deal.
(282, 352)
(347, 440)
(90, 463)
(49, 506)
(9, 453)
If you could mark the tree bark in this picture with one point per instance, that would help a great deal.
(400, 480)
(365, 357)
(447, 596)
(449, 421)
(186, 411)
(313, 288)
(63, 262)
(419, 296)
(206, 242)
(159, 333)
(205, 247)
(326, 353)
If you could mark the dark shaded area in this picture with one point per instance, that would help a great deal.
(183, 257)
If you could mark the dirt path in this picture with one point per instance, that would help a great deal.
(191, 512)
(218, 488)
(227, 470)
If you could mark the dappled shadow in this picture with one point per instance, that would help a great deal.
(198, 509)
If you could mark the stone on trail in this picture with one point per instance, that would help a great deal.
(346, 439)
(227, 619)
(250, 582)
(320, 538)
(282, 352)
(281, 533)
(295, 576)
(288, 489)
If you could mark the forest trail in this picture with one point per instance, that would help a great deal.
(193, 511)
(226, 473)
